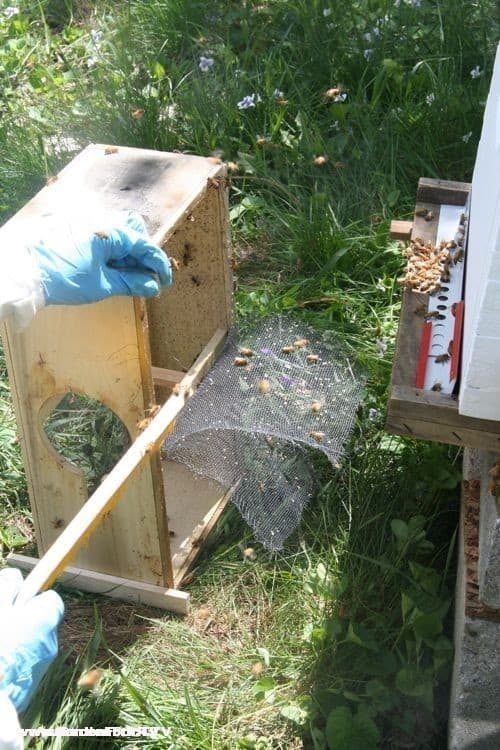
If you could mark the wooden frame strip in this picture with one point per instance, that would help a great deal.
(118, 588)
(166, 378)
(108, 493)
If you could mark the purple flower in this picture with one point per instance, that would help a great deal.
(205, 63)
(249, 101)
(266, 351)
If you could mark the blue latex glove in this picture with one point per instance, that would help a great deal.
(28, 638)
(79, 266)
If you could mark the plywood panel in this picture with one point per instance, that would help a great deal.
(480, 388)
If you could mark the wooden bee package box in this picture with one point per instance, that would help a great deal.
(136, 359)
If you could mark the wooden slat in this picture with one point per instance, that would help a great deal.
(166, 378)
(442, 191)
(108, 493)
(117, 588)
(400, 230)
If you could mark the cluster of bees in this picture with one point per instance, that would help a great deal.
(429, 266)
(264, 385)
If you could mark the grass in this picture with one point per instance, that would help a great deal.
(343, 639)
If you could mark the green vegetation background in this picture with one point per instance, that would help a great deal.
(343, 640)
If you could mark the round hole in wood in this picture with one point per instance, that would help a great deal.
(88, 434)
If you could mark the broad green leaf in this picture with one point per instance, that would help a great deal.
(345, 731)
(295, 713)
(399, 529)
(427, 627)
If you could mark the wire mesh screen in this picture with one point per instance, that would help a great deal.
(276, 392)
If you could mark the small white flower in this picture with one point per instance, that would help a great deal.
(381, 345)
(327, 12)
(367, 53)
(475, 72)
(416, 3)
(205, 63)
(330, 26)
(376, 31)
(367, 37)
(429, 99)
(91, 61)
(95, 35)
(466, 138)
(10, 11)
(278, 94)
(373, 415)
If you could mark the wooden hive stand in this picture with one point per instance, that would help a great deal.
(129, 356)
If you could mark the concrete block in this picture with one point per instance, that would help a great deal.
(475, 691)
(489, 540)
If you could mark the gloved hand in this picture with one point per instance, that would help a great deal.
(79, 266)
(28, 638)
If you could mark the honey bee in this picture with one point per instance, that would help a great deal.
(90, 679)
(288, 349)
(215, 182)
(332, 93)
(451, 245)
(445, 276)
(312, 358)
(176, 389)
(261, 141)
(299, 343)
(316, 406)
(246, 352)
(264, 385)
(240, 362)
(442, 358)
(152, 412)
(431, 314)
(248, 553)
(175, 263)
(188, 255)
(196, 280)
(320, 160)
(421, 212)
(214, 159)
(318, 436)
(58, 523)
(450, 348)
(495, 470)
(429, 216)
(459, 256)
(102, 235)
(436, 387)
(111, 150)
(138, 113)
